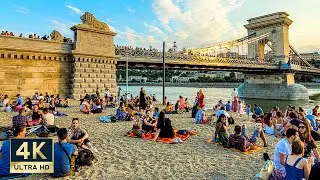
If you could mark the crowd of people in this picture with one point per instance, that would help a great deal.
(296, 154)
(38, 113)
(34, 36)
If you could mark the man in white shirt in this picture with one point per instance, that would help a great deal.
(48, 118)
(282, 149)
(40, 97)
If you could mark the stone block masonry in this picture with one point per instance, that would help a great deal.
(69, 69)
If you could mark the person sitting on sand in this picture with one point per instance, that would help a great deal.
(269, 125)
(63, 164)
(78, 136)
(6, 100)
(36, 116)
(282, 150)
(7, 108)
(296, 166)
(187, 104)
(20, 119)
(156, 113)
(182, 106)
(169, 108)
(28, 104)
(47, 118)
(315, 172)
(305, 136)
(240, 141)
(41, 104)
(52, 107)
(19, 102)
(228, 106)
(148, 123)
(66, 103)
(221, 132)
(35, 96)
(19, 132)
(164, 127)
(176, 108)
(201, 116)
(121, 114)
(257, 110)
(278, 120)
(96, 107)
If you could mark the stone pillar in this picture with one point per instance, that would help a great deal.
(276, 27)
(275, 86)
(95, 59)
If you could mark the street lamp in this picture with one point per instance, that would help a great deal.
(174, 46)
(164, 74)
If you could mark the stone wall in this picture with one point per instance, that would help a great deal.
(275, 86)
(30, 65)
(90, 73)
(69, 69)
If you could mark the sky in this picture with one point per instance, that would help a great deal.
(145, 23)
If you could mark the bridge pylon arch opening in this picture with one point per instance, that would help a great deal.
(273, 29)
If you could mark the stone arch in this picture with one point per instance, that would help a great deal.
(275, 28)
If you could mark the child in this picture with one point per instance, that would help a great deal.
(66, 103)
(8, 108)
(240, 110)
(248, 110)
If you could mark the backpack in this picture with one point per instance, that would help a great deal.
(84, 158)
(230, 120)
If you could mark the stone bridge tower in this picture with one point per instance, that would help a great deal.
(94, 58)
(272, 30)
(276, 26)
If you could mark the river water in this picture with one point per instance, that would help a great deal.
(213, 95)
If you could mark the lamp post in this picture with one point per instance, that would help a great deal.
(164, 74)
(127, 74)
(174, 46)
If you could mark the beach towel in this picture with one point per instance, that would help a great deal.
(61, 114)
(107, 119)
(183, 137)
(148, 136)
(257, 148)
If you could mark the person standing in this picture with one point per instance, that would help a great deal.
(201, 99)
(143, 103)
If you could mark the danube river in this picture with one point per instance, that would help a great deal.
(213, 95)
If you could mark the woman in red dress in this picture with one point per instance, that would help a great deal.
(201, 99)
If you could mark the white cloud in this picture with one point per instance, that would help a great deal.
(22, 10)
(131, 10)
(153, 29)
(198, 22)
(63, 28)
(75, 10)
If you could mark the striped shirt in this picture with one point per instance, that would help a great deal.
(238, 142)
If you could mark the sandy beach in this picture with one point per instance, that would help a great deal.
(122, 157)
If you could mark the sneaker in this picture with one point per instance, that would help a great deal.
(266, 145)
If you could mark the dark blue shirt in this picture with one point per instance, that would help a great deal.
(258, 111)
(228, 107)
(5, 160)
(61, 161)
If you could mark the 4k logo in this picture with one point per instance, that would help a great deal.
(32, 155)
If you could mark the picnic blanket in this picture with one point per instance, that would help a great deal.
(149, 136)
(257, 148)
(107, 119)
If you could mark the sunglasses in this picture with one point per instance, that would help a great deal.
(302, 127)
